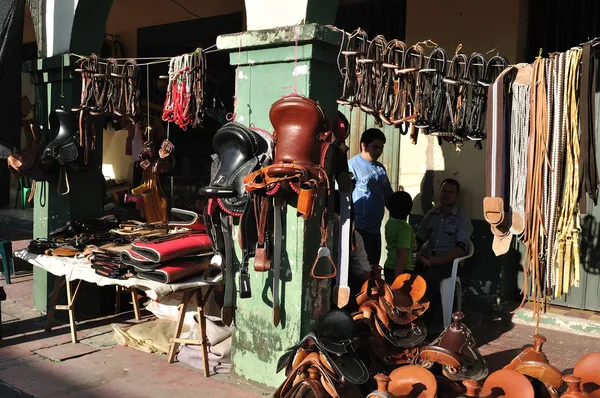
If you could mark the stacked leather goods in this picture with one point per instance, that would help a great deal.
(387, 319)
(108, 263)
(528, 375)
(325, 362)
(171, 258)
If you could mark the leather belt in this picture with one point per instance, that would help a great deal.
(588, 168)
(534, 234)
(494, 204)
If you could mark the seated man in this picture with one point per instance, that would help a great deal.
(446, 229)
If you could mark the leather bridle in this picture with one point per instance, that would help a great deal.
(394, 52)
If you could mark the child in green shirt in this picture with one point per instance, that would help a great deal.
(400, 237)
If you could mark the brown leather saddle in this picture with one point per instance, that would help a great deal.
(588, 369)
(532, 362)
(301, 127)
(456, 351)
(398, 325)
(413, 381)
(506, 383)
(574, 388)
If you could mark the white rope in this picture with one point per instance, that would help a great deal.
(519, 138)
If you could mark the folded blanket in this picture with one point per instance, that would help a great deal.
(161, 251)
(175, 272)
(219, 348)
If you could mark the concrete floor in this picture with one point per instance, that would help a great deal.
(40, 364)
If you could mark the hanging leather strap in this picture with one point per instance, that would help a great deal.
(588, 168)
(262, 260)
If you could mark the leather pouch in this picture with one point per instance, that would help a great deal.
(306, 200)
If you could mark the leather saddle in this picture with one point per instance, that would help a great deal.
(28, 161)
(455, 350)
(239, 151)
(301, 127)
(335, 340)
(587, 369)
(532, 362)
(413, 381)
(62, 150)
(502, 383)
(378, 302)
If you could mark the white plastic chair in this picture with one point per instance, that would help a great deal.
(448, 288)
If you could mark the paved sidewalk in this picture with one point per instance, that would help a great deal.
(98, 368)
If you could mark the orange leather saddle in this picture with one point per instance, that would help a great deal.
(588, 369)
(533, 362)
(456, 351)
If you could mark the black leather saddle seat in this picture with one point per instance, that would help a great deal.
(336, 339)
(62, 148)
(236, 148)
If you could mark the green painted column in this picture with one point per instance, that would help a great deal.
(56, 87)
(270, 65)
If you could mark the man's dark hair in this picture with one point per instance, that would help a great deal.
(371, 135)
(400, 204)
(451, 181)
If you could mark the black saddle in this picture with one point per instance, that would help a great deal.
(336, 339)
(239, 151)
(62, 148)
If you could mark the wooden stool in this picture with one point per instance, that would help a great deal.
(176, 340)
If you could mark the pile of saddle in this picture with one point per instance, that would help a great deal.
(388, 319)
(528, 375)
(403, 87)
(325, 363)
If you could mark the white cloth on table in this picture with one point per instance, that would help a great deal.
(74, 269)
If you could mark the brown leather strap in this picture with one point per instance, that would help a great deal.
(588, 168)
(262, 262)
(533, 263)
(323, 251)
(496, 143)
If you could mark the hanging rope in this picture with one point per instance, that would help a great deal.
(519, 135)
(566, 251)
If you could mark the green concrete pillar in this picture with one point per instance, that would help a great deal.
(56, 87)
(270, 65)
